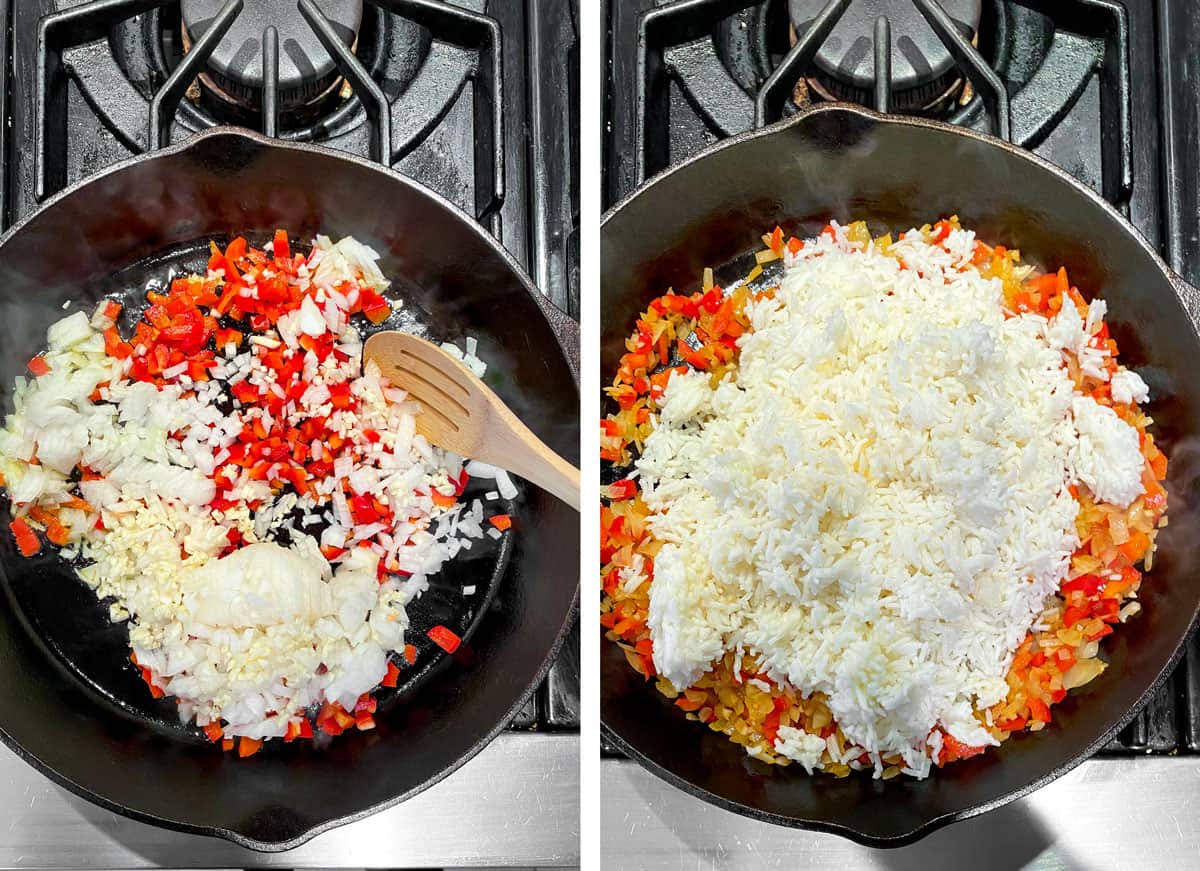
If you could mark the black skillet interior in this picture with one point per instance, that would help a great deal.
(73, 704)
(849, 164)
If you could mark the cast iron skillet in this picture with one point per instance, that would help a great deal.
(848, 163)
(71, 704)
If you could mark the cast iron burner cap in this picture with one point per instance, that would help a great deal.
(923, 70)
(306, 71)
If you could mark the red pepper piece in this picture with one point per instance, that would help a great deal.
(1039, 710)
(770, 727)
(444, 638)
(27, 540)
(379, 312)
(1089, 585)
(392, 677)
(248, 746)
(953, 749)
(626, 488)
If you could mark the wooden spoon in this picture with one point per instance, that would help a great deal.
(461, 414)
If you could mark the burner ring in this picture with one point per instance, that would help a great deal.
(923, 70)
(307, 73)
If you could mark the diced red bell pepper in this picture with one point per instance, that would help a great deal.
(444, 638)
(1135, 548)
(694, 358)
(339, 395)
(770, 726)
(710, 302)
(501, 521)
(280, 245)
(1089, 585)
(228, 337)
(114, 347)
(245, 392)
(378, 312)
(236, 249)
(148, 677)
(953, 749)
(626, 488)
(248, 746)
(327, 720)
(410, 654)
(38, 366)
(214, 731)
(27, 540)
(330, 552)
(55, 531)
(1073, 615)
(393, 675)
(363, 509)
(229, 296)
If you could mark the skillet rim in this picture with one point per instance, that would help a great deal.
(1182, 289)
(566, 333)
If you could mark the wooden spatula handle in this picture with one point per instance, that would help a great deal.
(528, 456)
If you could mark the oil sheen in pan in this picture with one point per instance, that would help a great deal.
(64, 617)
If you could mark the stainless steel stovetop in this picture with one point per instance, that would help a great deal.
(1131, 814)
(466, 820)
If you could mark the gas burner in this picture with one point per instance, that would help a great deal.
(308, 76)
(924, 76)
(1017, 69)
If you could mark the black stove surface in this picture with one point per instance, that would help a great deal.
(493, 143)
(1099, 87)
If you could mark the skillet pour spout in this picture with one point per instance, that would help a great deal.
(73, 706)
(847, 163)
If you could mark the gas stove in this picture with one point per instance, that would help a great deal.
(1095, 86)
(453, 93)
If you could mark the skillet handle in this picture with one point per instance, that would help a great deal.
(1188, 295)
(566, 328)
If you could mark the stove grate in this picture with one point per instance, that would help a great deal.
(451, 24)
